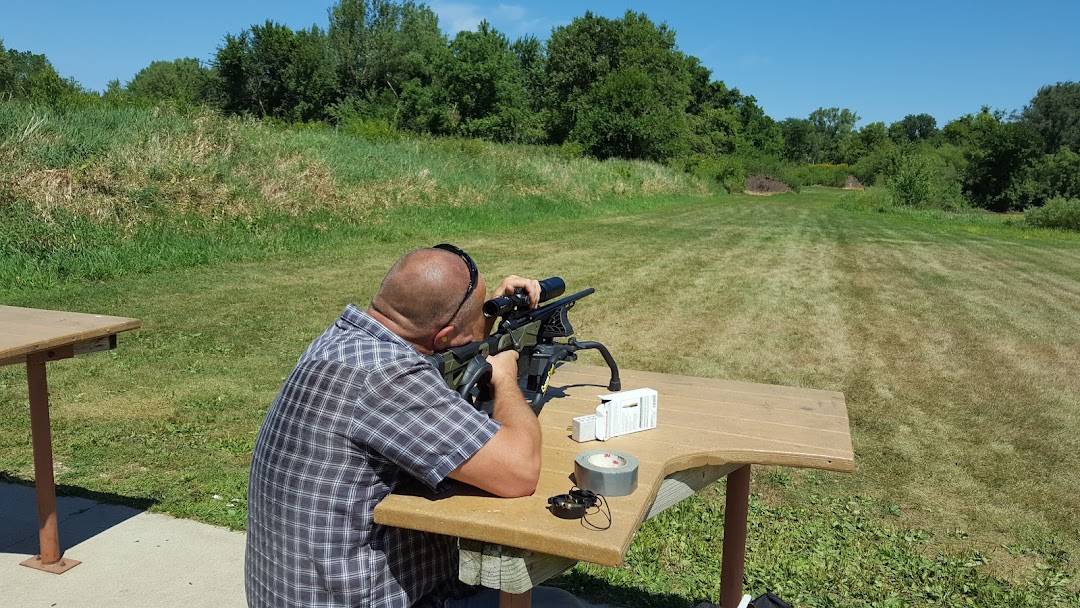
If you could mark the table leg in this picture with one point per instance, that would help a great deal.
(736, 506)
(48, 536)
(515, 600)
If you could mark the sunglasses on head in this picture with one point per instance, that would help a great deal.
(474, 275)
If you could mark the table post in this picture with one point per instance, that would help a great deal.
(515, 600)
(737, 504)
(44, 483)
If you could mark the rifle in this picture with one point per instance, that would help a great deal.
(532, 333)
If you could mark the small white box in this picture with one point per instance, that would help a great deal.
(625, 412)
(584, 428)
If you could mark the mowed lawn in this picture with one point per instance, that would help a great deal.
(956, 341)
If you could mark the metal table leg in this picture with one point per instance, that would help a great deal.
(49, 559)
(736, 506)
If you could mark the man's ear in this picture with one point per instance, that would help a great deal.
(443, 338)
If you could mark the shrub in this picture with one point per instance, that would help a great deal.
(1059, 212)
(823, 174)
(1054, 175)
(880, 164)
(727, 171)
(570, 150)
(912, 185)
(374, 130)
(925, 181)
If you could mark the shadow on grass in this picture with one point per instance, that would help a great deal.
(81, 514)
(597, 590)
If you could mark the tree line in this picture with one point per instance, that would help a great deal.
(598, 86)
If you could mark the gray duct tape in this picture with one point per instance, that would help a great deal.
(606, 472)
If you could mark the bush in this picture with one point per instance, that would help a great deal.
(925, 181)
(912, 186)
(373, 130)
(1054, 175)
(728, 170)
(1059, 212)
(880, 164)
(823, 174)
(571, 150)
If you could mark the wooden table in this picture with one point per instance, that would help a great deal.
(706, 429)
(35, 337)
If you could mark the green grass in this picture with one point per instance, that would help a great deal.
(954, 339)
(98, 193)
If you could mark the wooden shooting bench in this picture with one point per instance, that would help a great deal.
(706, 429)
(35, 337)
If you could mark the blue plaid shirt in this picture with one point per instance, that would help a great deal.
(362, 413)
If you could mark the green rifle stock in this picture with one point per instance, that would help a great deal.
(532, 333)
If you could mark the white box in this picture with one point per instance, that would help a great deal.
(584, 428)
(625, 412)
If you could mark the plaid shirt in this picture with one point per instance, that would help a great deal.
(362, 413)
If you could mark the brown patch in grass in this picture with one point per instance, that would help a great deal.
(761, 185)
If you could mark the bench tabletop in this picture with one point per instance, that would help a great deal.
(28, 330)
(701, 422)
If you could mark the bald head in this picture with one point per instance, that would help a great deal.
(422, 290)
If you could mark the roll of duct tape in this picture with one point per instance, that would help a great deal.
(606, 472)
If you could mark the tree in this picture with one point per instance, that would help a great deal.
(531, 55)
(760, 131)
(268, 70)
(724, 121)
(802, 141)
(1054, 113)
(30, 77)
(182, 81)
(999, 156)
(388, 56)
(593, 62)
(913, 127)
(832, 126)
(252, 67)
(487, 87)
(7, 73)
(311, 76)
(627, 119)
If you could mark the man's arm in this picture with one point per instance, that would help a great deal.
(509, 463)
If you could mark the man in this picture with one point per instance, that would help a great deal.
(364, 412)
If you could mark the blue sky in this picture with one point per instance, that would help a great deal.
(883, 60)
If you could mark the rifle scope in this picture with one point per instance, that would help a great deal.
(504, 305)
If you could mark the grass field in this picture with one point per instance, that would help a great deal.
(954, 338)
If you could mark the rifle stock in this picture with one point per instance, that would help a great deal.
(532, 333)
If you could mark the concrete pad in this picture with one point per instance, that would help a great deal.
(130, 558)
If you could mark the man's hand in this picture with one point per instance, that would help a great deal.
(517, 441)
(512, 282)
(503, 369)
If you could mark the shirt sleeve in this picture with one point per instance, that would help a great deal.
(412, 418)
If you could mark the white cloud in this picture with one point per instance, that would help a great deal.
(511, 19)
(455, 17)
(511, 12)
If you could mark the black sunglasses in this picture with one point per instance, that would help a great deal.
(474, 275)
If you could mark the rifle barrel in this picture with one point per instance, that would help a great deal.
(546, 309)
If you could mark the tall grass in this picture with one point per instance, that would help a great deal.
(823, 175)
(98, 192)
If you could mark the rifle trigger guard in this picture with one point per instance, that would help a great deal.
(477, 372)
